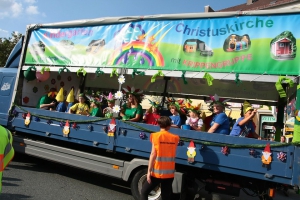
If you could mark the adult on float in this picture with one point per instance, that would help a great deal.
(47, 101)
(244, 126)
(132, 110)
(220, 121)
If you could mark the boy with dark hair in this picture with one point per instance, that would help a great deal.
(161, 167)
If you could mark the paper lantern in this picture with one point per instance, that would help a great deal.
(29, 74)
(42, 77)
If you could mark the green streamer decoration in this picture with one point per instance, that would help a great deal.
(136, 72)
(63, 69)
(81, 70)
(237, 79)
(99, 72)
(183, 77)
(208, 78)
(45, 69)
(60, 119)
(215, 143)
(296, 143)
(279, 87)
(159, 73)
(114, 72)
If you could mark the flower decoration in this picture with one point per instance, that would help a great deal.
(46, 87)
(15, 113)
(252, 152)
(111, 98)
(53, 81)
(90, 127)
(192, 108)
(142, 135)
(135, 92)
(74, 126)
(24, 115)
(37, 119)
(177, 103)
(61, 124)
(116, 109)
(180, 143)
(217, 100)
(26, 100)
(121, 79)
(119, 95)
(225, 150)
(34, 89)
(281, 156)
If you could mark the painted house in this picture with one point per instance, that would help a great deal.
(190, 47)
(282, 47)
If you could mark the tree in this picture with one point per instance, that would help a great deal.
(7, 45)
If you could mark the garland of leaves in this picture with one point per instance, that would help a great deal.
(219, 144)
(60, 119)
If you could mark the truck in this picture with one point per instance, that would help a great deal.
(148, 53)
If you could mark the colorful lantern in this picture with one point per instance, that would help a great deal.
(42, 77)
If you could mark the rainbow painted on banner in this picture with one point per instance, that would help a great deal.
(138, 48)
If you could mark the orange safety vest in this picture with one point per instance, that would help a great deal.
(165, 145)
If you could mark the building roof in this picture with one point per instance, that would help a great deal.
(258, 5)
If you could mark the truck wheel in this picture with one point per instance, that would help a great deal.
(137, 183)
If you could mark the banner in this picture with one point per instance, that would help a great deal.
(244, 44)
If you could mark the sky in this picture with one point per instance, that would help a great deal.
(15, 15)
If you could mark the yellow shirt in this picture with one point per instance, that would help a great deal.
(80, 108)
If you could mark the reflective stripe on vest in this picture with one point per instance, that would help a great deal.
(165, 171)
(8, 146)
(165, 159)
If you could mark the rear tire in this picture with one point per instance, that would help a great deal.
(137, 182)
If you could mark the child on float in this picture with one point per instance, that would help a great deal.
(80, 108)
(193, 119)
(108, 111)
(244, 126)
(70, 100)
(95, 110)
(152, 114)
(61, 106)
(175, 117)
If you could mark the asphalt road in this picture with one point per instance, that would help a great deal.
(29, 178)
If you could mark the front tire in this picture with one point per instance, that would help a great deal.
(137, 182)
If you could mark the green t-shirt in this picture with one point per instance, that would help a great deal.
(44, 100)
(96, 112)
(132, 112)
